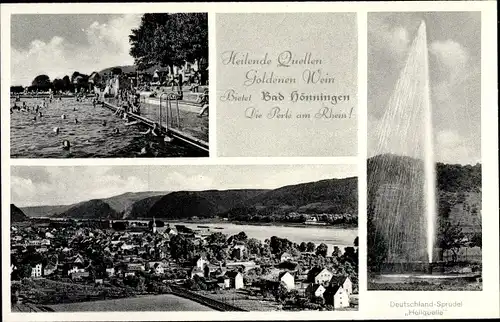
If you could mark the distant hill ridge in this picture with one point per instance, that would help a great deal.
(92, 209)
(339, 195)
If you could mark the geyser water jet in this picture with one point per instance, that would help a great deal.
(429, 165)
(402, 183)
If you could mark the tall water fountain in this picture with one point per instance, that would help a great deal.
(402, 183)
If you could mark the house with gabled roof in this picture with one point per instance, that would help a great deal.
(337, 297)
(201, 261)
(315, 290)
(235, 279)
(49, 269)
(196, 271)
(287, 279)
(320, 275)
(78, 259)
(285, 257)
(343, 281)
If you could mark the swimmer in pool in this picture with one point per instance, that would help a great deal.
(40, 114)
(63, 117)
(146, 150)
(119, 110)
(76, 121)
(116, 130)
(66, 145)
(104, 123)
(55, 130)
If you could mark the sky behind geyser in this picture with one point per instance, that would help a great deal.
(454, 42)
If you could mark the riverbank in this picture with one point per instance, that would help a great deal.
(265, 224)
(331, 237)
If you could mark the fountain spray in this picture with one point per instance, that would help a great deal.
(429, 165)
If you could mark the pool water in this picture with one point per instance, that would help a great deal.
(89, 138)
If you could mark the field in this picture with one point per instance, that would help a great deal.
(46, 292)
(164, 302)
(242, 299)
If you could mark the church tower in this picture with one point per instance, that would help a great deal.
(154, 225)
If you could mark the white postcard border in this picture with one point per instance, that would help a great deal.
(372, 305)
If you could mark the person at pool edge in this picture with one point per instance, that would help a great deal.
(154, 131)
(204, 102)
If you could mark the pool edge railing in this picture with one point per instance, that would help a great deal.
(172, 132)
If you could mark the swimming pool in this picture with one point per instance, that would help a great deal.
(92, 137)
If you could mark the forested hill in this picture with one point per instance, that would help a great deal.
(92, 209)
(459, 178)
(203, 204)
(450, 177)
(332, 196)
(458, 190)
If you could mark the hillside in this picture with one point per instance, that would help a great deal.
(459, 178)
(141, 208)
(333, 196)
(45, 211)
(124, 201)
(92, 209)
(450, 177)
(16, 214)
(203, 204)
(119, 203)
(458, 187)
(341, 192)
